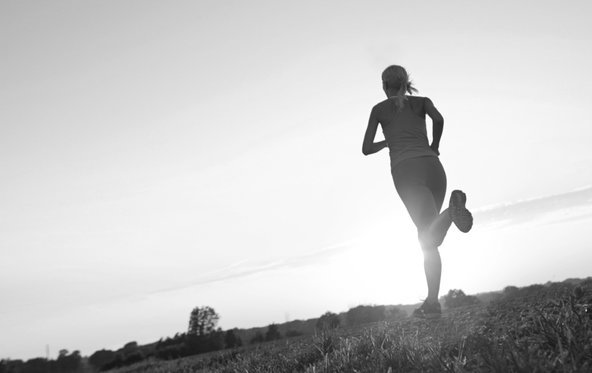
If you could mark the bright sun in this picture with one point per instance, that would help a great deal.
(382, 267)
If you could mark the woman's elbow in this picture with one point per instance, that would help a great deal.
(365, 149)
(438, 124)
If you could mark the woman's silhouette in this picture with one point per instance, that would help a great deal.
(418, 175)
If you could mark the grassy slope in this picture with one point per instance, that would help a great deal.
(538, 328)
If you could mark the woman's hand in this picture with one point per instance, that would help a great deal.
(434, 147)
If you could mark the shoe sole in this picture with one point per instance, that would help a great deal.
(461, 216)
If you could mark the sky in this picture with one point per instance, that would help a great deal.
(159, 156)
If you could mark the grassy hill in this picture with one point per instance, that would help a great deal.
(539, 328)
(308, 326)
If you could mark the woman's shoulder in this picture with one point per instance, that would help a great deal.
(379, 107)
(419, 102)
(417, 98)
(408, 97)
(415, 101)
(380, 104)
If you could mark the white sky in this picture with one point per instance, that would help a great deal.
(157, 156)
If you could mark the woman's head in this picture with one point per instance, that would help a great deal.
(395, 82)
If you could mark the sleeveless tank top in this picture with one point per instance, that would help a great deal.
(405, 130)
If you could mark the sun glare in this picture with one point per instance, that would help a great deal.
(384, 266)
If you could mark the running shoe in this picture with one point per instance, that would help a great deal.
(461, 217)
(428, 311)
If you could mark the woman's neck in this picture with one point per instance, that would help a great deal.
(390, 94)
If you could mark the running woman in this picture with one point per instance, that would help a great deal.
(417, 173)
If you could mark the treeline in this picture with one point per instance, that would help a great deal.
(65, 363)
(203, 336)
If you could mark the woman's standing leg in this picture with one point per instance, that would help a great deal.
(421, 184)
(422, 208)
(437, 229)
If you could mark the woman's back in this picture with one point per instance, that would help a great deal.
(405, 129)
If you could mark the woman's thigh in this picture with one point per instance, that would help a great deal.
(421, 184)
(420, 204)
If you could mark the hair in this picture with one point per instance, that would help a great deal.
(395, 79)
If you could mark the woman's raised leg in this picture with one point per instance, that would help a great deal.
(436, 231)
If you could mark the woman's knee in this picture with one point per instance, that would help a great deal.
(427, 241)
(429, 252)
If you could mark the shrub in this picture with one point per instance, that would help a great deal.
(101, 358)
(231, 339)
(328, 320)
(293, 333)
(364, 314)
(395, 313)
(258, 338)
(457, 298)
(272, 333)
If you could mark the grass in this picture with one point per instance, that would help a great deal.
(544, 329)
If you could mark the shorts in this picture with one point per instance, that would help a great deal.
(421, 184)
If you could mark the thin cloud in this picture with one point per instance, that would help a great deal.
(537, 209)
(244, 268)
(572, 218)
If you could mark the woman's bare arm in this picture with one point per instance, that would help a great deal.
(437, 124)
(369, 146)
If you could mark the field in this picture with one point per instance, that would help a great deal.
(534, 329)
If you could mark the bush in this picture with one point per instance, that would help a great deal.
(196, 344)
(293, 333)
(258, 338)
(101, 358)
(395, 313)
(457, 298)
(510, 291)
(272, 333)
(232, 340)
(328, 321)
(364, 314)
(170, 352)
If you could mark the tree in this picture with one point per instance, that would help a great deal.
(68, 363)
(272, 333)
(202, 321)
(328, 320)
